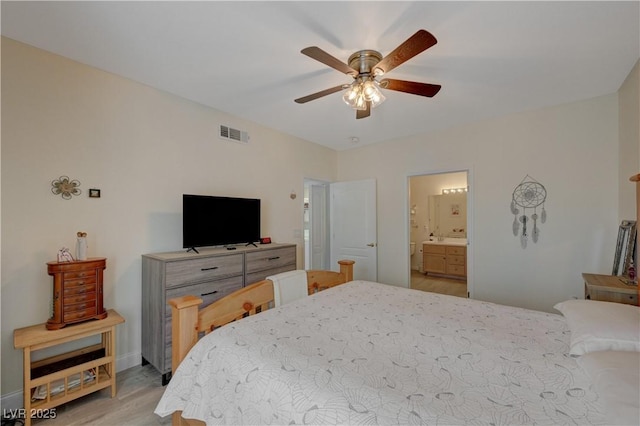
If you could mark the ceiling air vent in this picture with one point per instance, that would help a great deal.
(234, 135)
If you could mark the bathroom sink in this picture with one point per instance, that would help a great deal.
(448, 241)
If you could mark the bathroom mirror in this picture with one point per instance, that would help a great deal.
(448, 215)
(625, 247)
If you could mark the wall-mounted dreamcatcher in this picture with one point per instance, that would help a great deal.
(530, 194)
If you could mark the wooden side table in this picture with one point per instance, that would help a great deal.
(609, 288)
(62, 378)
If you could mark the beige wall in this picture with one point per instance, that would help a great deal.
(143, 148)
(629, 125)
(571, 149)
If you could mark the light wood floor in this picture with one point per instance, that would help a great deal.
(140, 388)
(453, 287)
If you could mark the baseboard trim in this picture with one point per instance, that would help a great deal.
(13, 400)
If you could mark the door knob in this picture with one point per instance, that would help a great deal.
(371, 245)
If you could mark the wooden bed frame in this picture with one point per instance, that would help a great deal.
(188, 322)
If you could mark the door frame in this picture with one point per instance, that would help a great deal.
(470, 221)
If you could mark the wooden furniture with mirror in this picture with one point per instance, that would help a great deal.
(77, 291)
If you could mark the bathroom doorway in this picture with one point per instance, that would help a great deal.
(439, 231)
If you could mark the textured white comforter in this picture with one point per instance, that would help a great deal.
(369, 353)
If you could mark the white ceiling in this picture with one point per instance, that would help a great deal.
(492, 58)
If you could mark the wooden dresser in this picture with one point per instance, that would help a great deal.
(211, 274)
(77, 291)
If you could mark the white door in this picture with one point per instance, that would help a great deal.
(319, 232)
(353, 227)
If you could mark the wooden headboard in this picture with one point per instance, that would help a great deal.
(188, 322)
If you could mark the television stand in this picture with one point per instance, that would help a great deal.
(194, 249)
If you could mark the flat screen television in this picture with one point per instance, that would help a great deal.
(217, 221)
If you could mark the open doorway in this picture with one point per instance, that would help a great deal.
(316, 225)
(438, 231)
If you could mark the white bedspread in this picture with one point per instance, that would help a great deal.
(370, 353)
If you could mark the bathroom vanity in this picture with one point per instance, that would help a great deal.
(446, 257)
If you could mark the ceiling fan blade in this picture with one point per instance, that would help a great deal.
(320, 94)
(365, 112)
(320, 55)
(413, 87)
(419, 42)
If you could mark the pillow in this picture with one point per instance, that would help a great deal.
(601, 326)
(616, 378)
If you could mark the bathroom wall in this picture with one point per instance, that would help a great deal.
(420, 188)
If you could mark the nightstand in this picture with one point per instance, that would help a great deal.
(609, 288)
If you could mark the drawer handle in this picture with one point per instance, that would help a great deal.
(210, 293)
(273, 258)
(209, 269)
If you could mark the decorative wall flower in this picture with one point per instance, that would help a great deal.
(65, 187)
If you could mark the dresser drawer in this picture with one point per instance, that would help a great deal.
(84, 312)
(611, 296)
(457, 251)
(456, 270)
(270, 259)
(76, 275)
(209, 291)
(434, 249)
(261, 275)
(202, 269)
(78, 289)
(455, 260)
(80, 307)
(79, 281)
(79, 298)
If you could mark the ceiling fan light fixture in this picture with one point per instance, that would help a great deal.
(366, 67)
(372, 93)
(361, 92)
(353, 96)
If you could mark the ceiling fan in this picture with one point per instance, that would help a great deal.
(365, 66)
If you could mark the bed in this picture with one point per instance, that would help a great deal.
(370, 353)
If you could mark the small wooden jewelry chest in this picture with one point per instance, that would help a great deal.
(77, 291)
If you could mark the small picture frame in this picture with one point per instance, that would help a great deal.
(94, 193)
